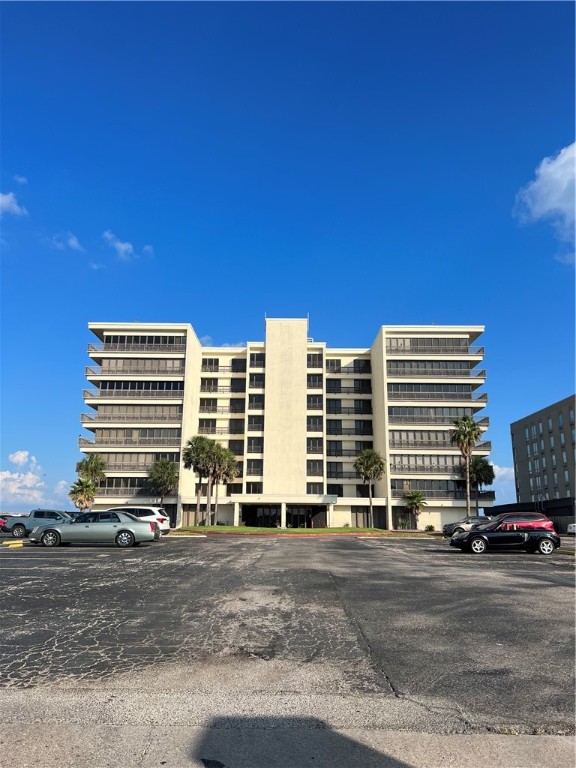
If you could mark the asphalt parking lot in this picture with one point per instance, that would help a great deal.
(241, 652)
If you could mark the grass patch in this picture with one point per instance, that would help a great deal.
(246, 530)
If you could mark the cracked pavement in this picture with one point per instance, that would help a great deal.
(183, 639)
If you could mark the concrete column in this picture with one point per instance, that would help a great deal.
(329, 513)
(236, 513)
(283, 515)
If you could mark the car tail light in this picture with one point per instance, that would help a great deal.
(162, 519)
(152, 527)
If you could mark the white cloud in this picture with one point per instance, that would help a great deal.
(148, 250)
(206, 341)
(69, 240)
(73, 242)
(504, 485)
(125, 251)
(61, 489)
(550, 196)
(9, 204)
(25, 487)
(95, 266)
(20, 179)
(19, 457)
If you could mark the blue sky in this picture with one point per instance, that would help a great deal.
(364, 163)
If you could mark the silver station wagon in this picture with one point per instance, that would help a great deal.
(118, 528)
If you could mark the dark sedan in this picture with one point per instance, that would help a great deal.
(502, 535)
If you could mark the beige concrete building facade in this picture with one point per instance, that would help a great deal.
(294, 412)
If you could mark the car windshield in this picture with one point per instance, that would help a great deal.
(488, 526)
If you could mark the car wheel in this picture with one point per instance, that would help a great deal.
(478, 546)
(18, 532)
(457, 530)
(124, 539)
(545, 546)
(50, 539)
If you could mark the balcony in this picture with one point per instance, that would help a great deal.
(350, 391)
(220, 430)
(417, 444)
(435, 351)
(424, 469)
(350, 452)
(120, 347)
(121, 394)
(434, 372)
(425, 419)
(142, 442)
(123, 467)
(222, 369)
(213, 390)
(346, 411)
(483, 398)
(121, 492)
(90, 419)
(459, 495)
(219, 409)
(349, 431)
(342, 475)
(140, 371)
(349, 370)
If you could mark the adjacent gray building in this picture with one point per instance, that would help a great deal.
(543, 447)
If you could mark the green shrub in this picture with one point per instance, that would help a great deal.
(429, 528)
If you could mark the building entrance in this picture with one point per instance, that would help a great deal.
(305, 517)
(261, 516)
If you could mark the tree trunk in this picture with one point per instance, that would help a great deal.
(371, 510)
(216, 505)
(209, 502)
(467, 485)
(198, 495)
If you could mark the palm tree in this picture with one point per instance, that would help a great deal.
(194, 457)
(415, 503)
(465, 435)
(92, 468)
(370, 466)
(82, 493)
(226, 470)
(481, 473)
(163, 478)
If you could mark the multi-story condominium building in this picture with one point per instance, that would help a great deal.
(294, 412)
(543, 446)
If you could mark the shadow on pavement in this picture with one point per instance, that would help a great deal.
(284, 742)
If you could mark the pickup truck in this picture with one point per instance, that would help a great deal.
(21, 526)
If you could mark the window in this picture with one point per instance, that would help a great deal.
(256, 402)
(334, 386)
(314, 468)
(571, 415)
(527, 433)
(208, 405)
(236, 447)
(236, 426)
(314, 423)
(533, 430)
(257, 359)
(314, 402)
(208, 385)
(238, 365)
(335, 448)
(255, 445)
(363, 427)
(315, 488)
(255, 423)
(210, 364)
(253, 488)
(362, 366)
(333, 366)
(560, 420)
(314, 360)
(539, 427)
(528, 449)
(207, 426)
(549, 425)
(237, 405)
(334, 426)
(334, 406)
(257, 380)
(361, 491)
(335, 490)
(562, 439)
(334, 469)
(314, 381)
(314, 445)
(234, 488)
(238, 385)
(254, 466)
(552, 442)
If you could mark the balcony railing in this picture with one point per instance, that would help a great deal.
(348, 431)
(128, 492)
(222, 369)
(122, 467)
(220, 430)
(123, 441)
(89, 394)
(349, 370)
(97, 371)
(483, 398)
(437, 372)
(219, 409)
(346, 411)
(351, 452)
(120, 347)
(422, 419)
(343, 475)
(314, 450)
(97, 418)
(350, 391)
(435, 351)
(483, 495)
(401, 469)
(211, 389)
(416, 444)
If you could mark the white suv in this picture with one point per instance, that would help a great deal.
(147, 514)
